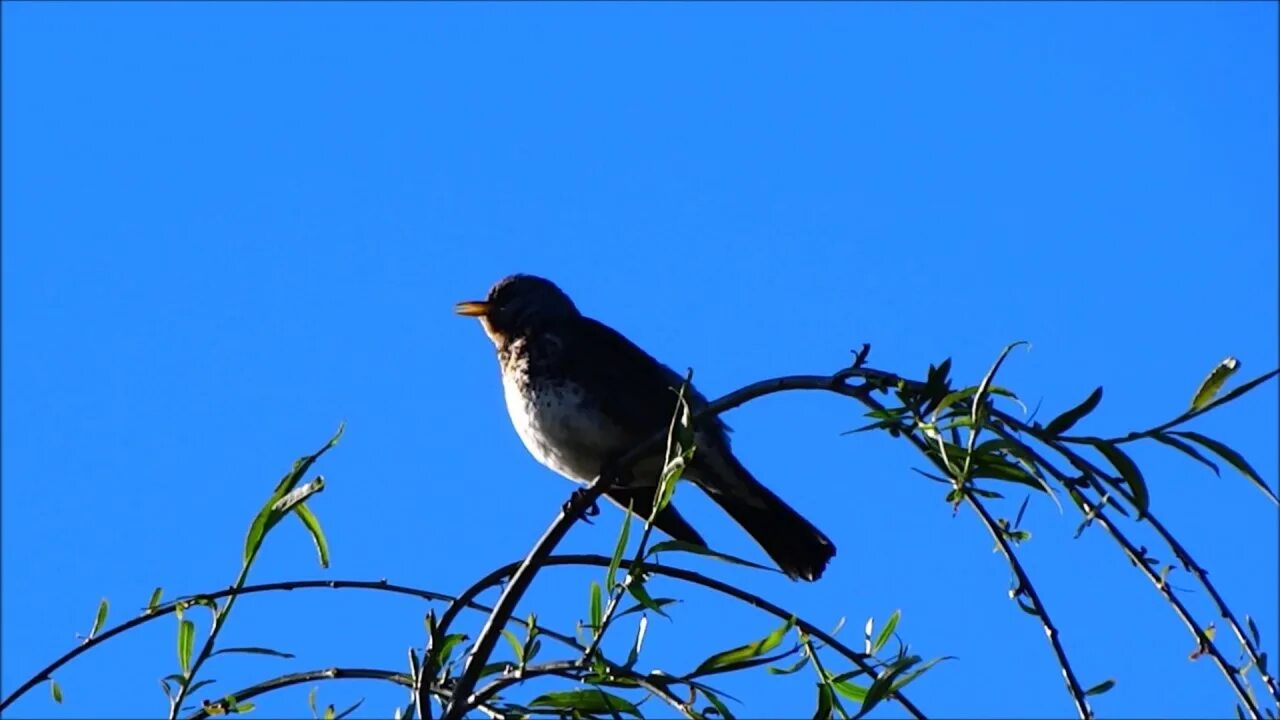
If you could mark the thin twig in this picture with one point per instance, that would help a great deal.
(170, 607)
(1024, 582)
(585, 498)
(751, 599)
(1025, 587)
(1180, 554)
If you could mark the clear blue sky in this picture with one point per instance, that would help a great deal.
(228, 227)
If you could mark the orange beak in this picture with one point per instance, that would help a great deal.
(472, 308)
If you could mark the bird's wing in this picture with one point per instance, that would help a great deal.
(633, 388)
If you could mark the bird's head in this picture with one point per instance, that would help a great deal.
(517, 302)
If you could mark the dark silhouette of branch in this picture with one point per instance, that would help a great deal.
(1094, 510)
(170, 607)
(586, 497)
(859, 659)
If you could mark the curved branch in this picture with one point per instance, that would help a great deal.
(168, 608)
(1024, 582)
(694, 578)
(1025, 586)
(571, 670)
(585, 498)
(1095, 510)
(284, 681)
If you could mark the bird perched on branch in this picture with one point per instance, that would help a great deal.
(581, 395)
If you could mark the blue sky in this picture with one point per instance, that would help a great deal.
(229, 227)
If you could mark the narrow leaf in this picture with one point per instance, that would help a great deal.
(1066, 420)
(349, 710)
(634, 655)
(154, 602)
(1213, 382)
(254, 651)
(56, 690)
(660, 602)
(611, 577)
(637, 590)
(1187, 448)
(887, 631)
(682, 546)
(824, 703)
(793, 668)
(1101, 687)
(1128, 470)
(100, 619)
(717, 704)
(595, 608)
(515, 644)
(585, 701)
(312, 524)
(751, 650)
(1234, 458)
(186, 641)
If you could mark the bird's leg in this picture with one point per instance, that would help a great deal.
(588, 512)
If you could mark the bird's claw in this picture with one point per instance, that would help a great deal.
(588, 512)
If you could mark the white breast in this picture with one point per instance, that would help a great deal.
(560, 430)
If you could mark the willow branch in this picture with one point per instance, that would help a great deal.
(1024, 581)
(170, 607)
(1182, 556)
(585, 498)
(751, 599)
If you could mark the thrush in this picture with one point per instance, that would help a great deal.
(581, 395)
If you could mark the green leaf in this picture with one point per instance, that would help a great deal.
(1128, 470)
(1103, 686)
(717, 704)
(660, 602)
(585, 701)
(1235, 459)
(682, 546)
(887, 631)
(312, 524)
(1237, 392)
(952, 398)
(311, 700)
(788, 670)
(254, 651)
(637, 590)
(1213, 382)
(611, 577)
(196, 686)
(824, 703)
(515, 644)
(850, 691)
(244, 707)
(100, 619)
(154, 602)
(270, 514)
(56, 690)
(1190, 450)
(595, 608)
(446, 648)
(186, 641)
(738, 655)
(349, 710)
(1066, 420)
(907, 678)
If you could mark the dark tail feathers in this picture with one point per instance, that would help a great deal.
(801, 550)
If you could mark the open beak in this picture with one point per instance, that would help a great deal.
(472, 308)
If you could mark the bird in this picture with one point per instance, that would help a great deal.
(580, 395)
